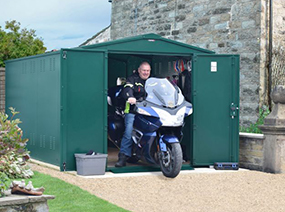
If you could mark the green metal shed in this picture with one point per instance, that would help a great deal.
(62, 97)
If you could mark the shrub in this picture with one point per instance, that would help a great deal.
(13, 152)
(3, 183)
(253, 128)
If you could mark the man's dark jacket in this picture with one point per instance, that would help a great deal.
(134, 87)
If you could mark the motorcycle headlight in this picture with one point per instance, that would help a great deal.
(171, 120)
(164, 119)
(180, 114)
(180, 118)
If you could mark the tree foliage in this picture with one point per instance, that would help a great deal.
(16, 42)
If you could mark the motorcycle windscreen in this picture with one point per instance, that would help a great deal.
(162, 92)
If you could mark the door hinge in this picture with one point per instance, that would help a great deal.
(233, 61)
(64, 54)
(233, 110)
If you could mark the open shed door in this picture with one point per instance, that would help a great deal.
(215, 81)
(84, 104)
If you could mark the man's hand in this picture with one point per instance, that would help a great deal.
(132, 100)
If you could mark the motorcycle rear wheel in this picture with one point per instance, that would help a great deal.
(171, 161)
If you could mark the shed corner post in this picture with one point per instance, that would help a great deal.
(105, 110)
(63, 102)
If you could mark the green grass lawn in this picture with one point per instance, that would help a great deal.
(70, 198)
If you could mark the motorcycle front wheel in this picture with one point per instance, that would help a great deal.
(171, 160)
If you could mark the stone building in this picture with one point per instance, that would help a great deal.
(102, 36)
(224, 26)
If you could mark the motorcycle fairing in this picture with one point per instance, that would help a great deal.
(168, 116)
(114, 98)
(148, 111)
(116, 128)
(147, 143)
(172, 111)
(188, 111)
(168, 119)
(147, 123)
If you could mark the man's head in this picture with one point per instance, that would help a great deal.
(144, 70)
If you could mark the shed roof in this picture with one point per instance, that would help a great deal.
(149, 43)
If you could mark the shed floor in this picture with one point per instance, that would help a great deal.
(140, 166)
(113, 157)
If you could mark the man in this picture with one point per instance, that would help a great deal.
(133, 90)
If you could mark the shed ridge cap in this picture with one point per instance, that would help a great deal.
(125, 39)
(148, 36)
(151, 35)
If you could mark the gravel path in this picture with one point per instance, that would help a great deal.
(239, 191)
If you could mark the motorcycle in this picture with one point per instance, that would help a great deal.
(158, 124)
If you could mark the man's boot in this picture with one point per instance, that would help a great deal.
(122, 160)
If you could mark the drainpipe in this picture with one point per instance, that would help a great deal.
(270, 53)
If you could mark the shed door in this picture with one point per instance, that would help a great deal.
(215, 104)
(84, 116)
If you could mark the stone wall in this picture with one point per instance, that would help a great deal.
(24, 203)
(251, 151)
(279, 22)
(224, 26)
(102, 36)
(2, 89)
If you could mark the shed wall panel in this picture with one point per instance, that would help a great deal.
(33, 89)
